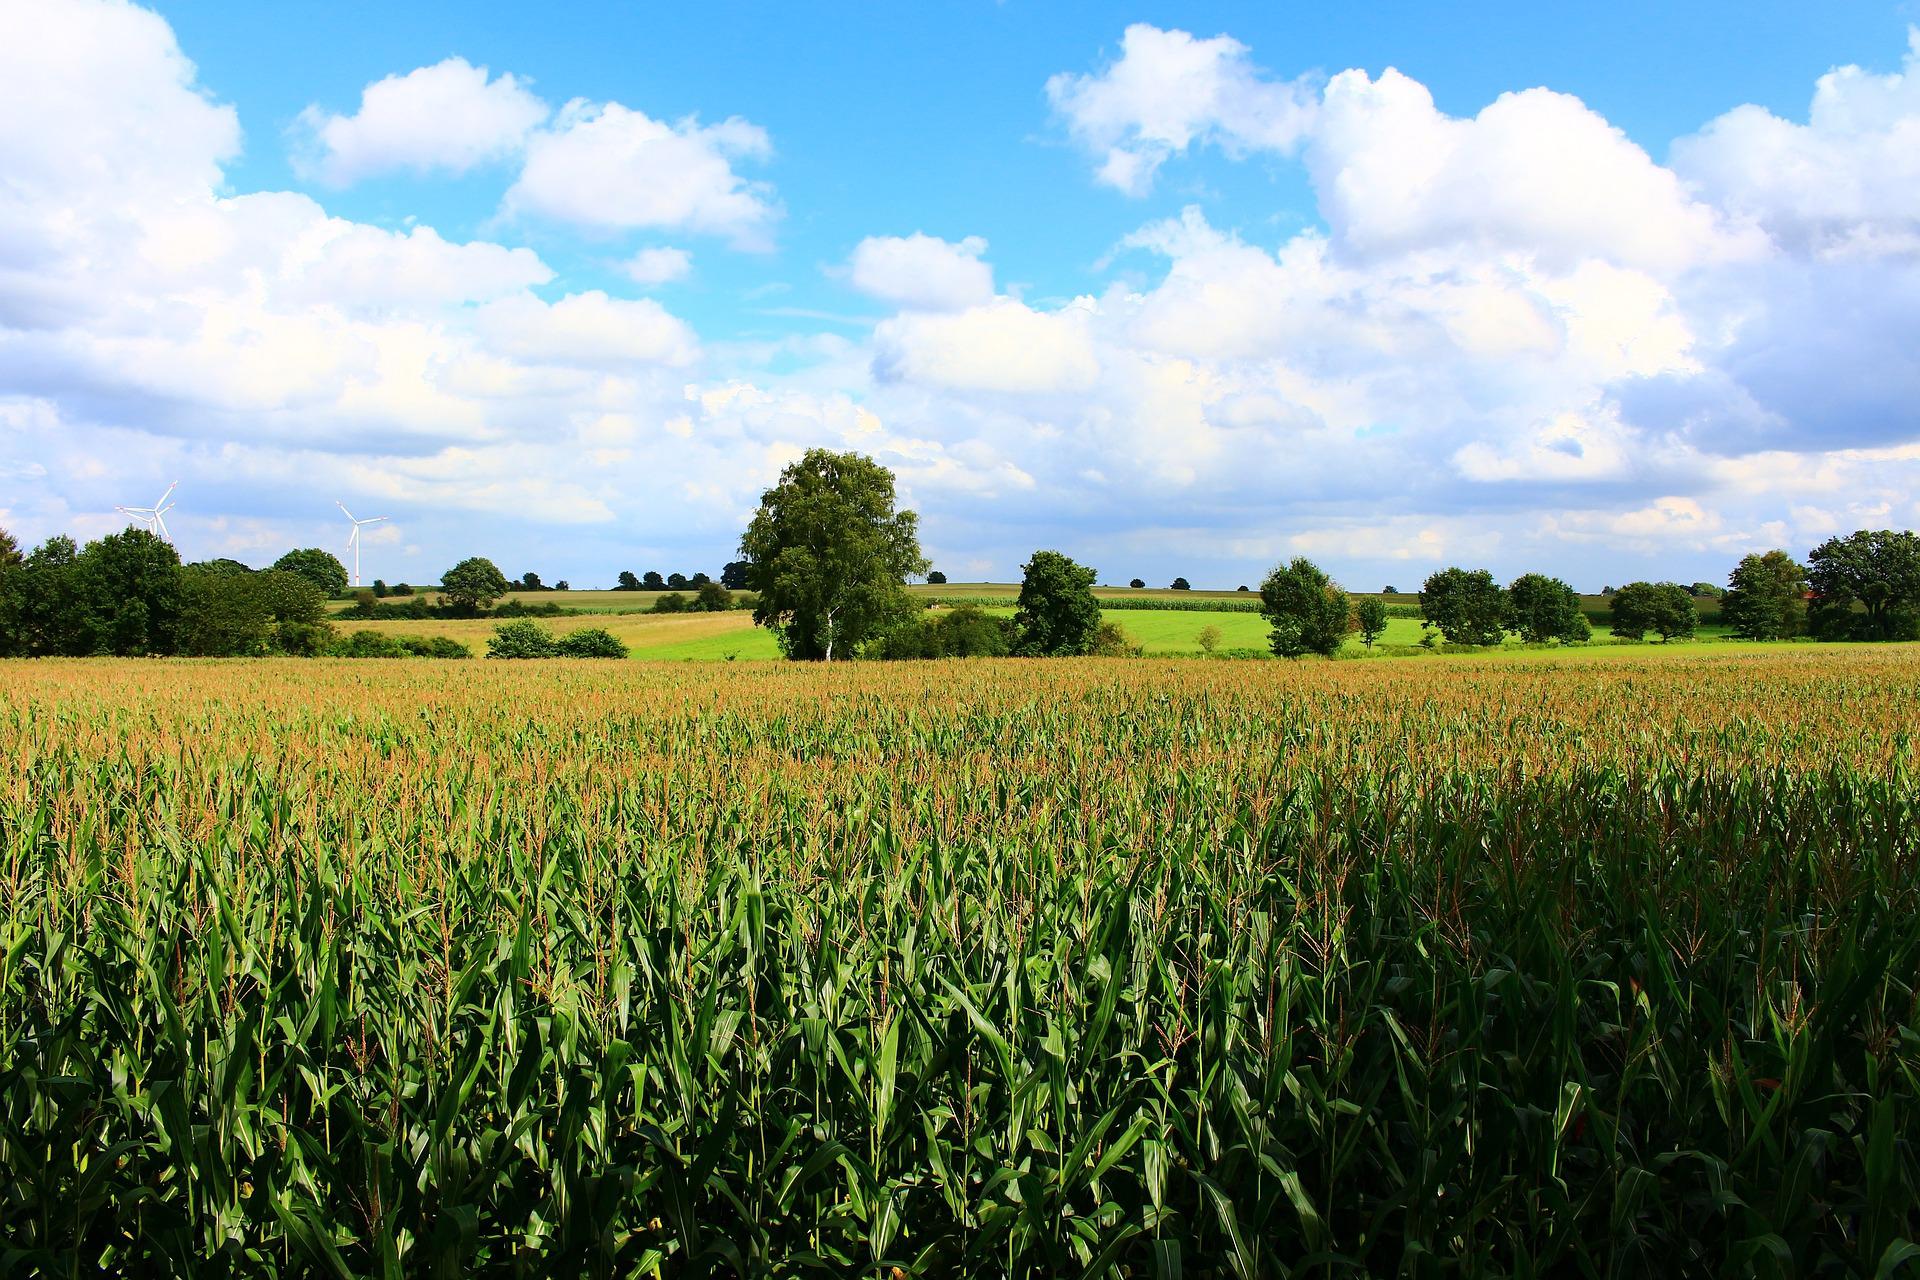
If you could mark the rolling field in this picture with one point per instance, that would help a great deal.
(1080, 967)
(732, 636)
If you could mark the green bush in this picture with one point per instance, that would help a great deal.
(591, 642)
(368, 644)
(521, 640)
(434, 647)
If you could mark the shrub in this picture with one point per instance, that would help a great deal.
(368, 644)
(591, 642)
(521, 640)
(434, 647)
(1209, 638)
(672, 602)
(711, 598)
(1112, 642)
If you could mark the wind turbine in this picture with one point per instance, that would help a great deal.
(353, 539)
(153, 516)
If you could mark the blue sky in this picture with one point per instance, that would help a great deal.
(1174, 288)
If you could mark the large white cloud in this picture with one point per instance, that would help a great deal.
(922, 272)
(1847, 180)
(1168, 91)
(1000, 346)
(449, 117)
(608, 168)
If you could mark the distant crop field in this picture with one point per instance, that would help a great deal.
(1076, 967)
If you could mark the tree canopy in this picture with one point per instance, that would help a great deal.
(1057, 613)
(1467, 606)
(1866, 586)
(1543, 608)
(473, 584)
(830, 555)
(1308, 611)
(320, 567)
(1666, 608)
(1766, 597)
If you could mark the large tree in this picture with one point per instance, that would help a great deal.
(1866, 586)
(9, 552)
(130, 593)
(1466, 604)
(42, 609)
(628, 582)
(320, 567)
(1058, 615)
(1543, 608)
(830, 555)
(733, 575)
(1307, 610)
(473, 584)
(1663, 607)
(1370, 614)
(1766, 597)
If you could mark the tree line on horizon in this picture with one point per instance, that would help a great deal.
(827, 555)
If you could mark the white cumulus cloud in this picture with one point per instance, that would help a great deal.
(607, 167)
(449, 117)
(922, 272)
(1168, 91)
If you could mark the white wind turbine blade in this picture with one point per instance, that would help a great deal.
(162, 504)
(343, 508)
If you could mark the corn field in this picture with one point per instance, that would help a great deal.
(1073, 968)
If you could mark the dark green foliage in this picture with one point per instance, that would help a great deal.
(1112, 641)
(522, 640)
(830, 555)
(698, 580)
(1765, 597)
(1308, 611)
(672, 602)
(1370, 613)
(1466, 605)
(320, 567)
(380, 589)
(473, 584)
(1866, 586)
(10, 556)
(1180, 584)
(402, 589)
(711, 598)
(652, 581)
(677, 582)
(1137, 583)
(228, 615)
(1542, 608)
(367, 644)
(589, 642)
(1665, 608)
(1057, 614)
(734, 575)
(936, 579)
(433, 647)
(965, 631)
(529, 581)
(220, 565)
(1706, 591)
(628, 582)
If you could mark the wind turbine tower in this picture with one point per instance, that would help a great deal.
(154, 517)
(353, 539)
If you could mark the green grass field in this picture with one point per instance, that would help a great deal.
(733, 637)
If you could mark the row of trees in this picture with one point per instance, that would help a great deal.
(128, 594)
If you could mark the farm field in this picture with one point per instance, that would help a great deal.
(732, 636)
(1079, 967)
